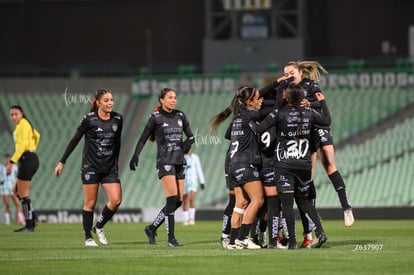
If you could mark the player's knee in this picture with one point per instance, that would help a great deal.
(238, 210)
(259, 201)
(114, 204)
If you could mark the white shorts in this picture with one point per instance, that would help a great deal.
(190, 186)
(6, 190)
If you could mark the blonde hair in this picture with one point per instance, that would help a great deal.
(310, 69)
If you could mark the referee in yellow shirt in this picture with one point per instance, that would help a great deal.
(26, 139)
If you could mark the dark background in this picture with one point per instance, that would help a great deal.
(52, 33)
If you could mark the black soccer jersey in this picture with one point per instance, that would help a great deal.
(267, 140)
(244, 146)
(267, 145)
(311, 88)
(102, 143)
(167, 130)
(293, 131)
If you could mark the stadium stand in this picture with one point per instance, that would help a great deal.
(377, 172)
(356, 109)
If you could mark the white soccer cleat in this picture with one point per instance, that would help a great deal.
(90, 242)
(232, 246)
(281, 246)
(247, 244)
(101, 235)
(225, 242)
(348, 217)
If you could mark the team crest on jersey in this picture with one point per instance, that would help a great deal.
(114, 127)
(180, 123)
(167, 168)
(87, 177)
(304, 188)
(256, 174)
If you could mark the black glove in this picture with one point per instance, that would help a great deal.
(133, 163)
(285, 83)
(186, 146)
(202, 186)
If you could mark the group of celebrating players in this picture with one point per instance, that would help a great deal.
(275, 136)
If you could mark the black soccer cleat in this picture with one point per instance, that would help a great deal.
(174, 242)
(24, 229)
(318, 242)
(150, 235)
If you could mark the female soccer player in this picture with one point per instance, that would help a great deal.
(273, 98)
(166, 125)
(26, 139)
(306, 73)
(292, 163)
(245, 161)
(102, 129)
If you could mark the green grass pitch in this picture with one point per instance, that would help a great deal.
(368, 247)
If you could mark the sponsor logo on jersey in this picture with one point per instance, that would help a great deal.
(99, 129)
(294, 149)
(165, 124)
(285, 184)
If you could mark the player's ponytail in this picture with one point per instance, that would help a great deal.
(216, 120)
(243, 94)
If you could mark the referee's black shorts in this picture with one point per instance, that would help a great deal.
(27, 166)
